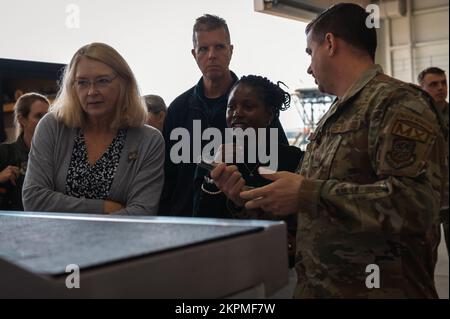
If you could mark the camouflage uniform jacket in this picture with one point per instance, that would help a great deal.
(445, 116)
(372, 194)
(444, 209)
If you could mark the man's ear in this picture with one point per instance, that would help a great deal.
(194, 54)
(330, 42)
(231, 49)
(21, 120)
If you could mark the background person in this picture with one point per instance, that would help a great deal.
(434, 81)
(28, 111)
(157, 111)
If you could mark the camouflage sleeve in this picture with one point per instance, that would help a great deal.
(404, 147)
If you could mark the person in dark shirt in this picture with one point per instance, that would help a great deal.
(254, 104)
(205, 102)
(29, 109)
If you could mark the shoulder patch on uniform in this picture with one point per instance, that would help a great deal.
(406, 142)
(405, 129)
(412, 127)
(402, 153)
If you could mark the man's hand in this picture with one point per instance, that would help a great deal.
(229, 180)
(110, 206)
(10, 173)
(279, 197)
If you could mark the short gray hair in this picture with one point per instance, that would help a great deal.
(209, 22)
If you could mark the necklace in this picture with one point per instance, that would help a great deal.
(250, 172)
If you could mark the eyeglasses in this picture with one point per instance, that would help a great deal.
(100, 82)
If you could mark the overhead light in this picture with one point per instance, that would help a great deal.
(288, 9)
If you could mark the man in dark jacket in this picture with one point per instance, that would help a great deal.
(205, 102)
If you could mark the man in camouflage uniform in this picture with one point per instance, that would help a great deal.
(370, 186)
(434, 82)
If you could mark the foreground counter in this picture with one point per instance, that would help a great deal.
(139, 257)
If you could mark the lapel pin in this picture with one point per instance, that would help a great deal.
(132, 156)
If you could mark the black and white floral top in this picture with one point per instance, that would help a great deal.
(93, 182)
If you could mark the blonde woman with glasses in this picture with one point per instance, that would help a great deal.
(93, 152)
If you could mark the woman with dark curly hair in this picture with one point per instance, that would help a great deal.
(254, 103)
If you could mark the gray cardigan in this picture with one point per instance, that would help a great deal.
(137, 182)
